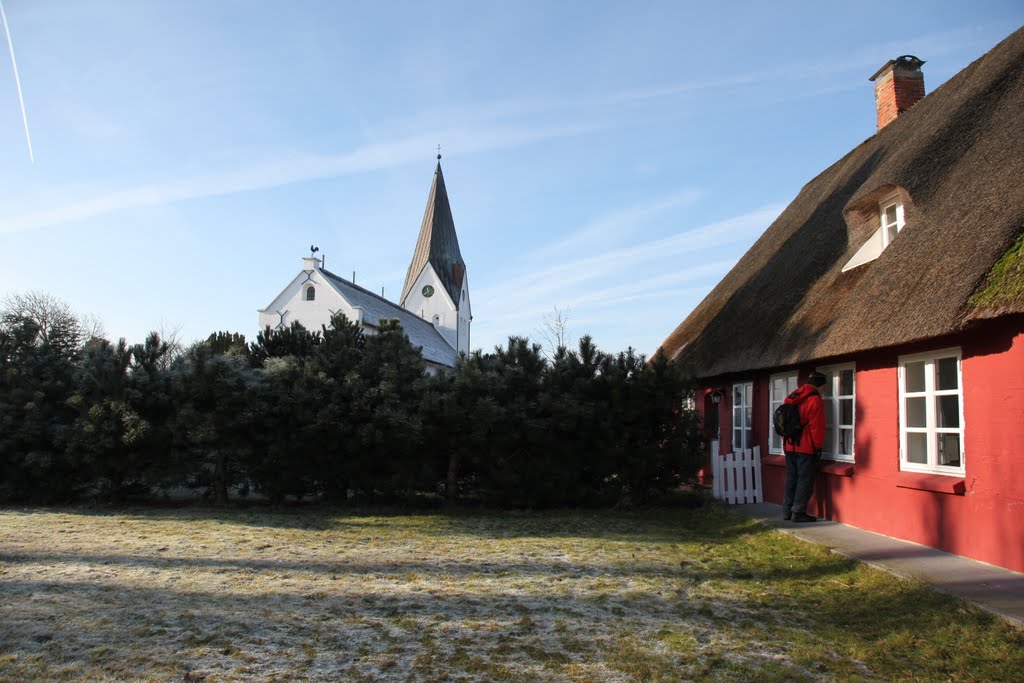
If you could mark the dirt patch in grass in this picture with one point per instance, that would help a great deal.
(327, 595)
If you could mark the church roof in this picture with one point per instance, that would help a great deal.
(438, 244)
(376, 308)
(957, 157)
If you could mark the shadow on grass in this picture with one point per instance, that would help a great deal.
(904, 632)
(654, 525)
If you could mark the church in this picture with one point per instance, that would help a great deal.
(434, 309)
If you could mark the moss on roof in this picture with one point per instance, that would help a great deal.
(957, 159)
(1004, 284)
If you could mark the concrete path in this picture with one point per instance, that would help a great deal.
(992, 588)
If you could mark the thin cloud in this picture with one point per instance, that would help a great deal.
(282, 172)
(581, 302)
(546, 283)
(619, 223)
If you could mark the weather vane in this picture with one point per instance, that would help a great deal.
(439, 152)
(313, 249)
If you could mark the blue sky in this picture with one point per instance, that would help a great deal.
(611, 159)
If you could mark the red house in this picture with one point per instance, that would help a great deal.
(898, 272)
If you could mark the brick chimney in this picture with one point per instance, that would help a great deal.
(898, 86)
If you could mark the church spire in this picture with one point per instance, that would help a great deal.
(438, 244)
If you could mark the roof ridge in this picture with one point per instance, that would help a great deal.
(359, 287)
(398, 308)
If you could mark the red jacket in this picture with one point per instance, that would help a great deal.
(812, 417)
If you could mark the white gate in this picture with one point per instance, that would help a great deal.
(736, 477)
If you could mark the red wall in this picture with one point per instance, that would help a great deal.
(985, 520)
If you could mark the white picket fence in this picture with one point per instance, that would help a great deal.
(736, 477)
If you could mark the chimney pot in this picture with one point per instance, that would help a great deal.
(899, 84)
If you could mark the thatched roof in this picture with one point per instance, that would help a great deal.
(957, 160)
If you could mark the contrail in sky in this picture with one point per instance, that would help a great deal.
(17, 82)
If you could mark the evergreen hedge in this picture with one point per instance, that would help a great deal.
(334, 415)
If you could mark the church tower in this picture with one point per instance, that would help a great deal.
(436, 285)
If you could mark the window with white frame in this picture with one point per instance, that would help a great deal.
(891, 213)
(780, 387)
(310, 293)
(742, 415)
(931, 413)
(838, 397)
(890, 222)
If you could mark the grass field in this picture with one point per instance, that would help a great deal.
(328, 595)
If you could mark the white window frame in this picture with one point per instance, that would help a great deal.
(930, 394)
(886, 227)
(744, 426)
(830, 451)
(774, 401)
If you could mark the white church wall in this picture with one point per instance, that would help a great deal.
(292, 305)
(465, 314)
(437, 309)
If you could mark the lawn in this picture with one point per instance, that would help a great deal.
(322, 594)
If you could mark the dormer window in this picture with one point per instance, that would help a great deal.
(311, 293)
(891, 212)
(884, 218)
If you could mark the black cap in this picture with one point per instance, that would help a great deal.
(817, 379)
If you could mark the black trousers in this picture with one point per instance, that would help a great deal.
(800, 471)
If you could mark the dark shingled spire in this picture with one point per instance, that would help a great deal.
(438, 244)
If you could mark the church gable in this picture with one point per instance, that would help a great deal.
(309, 299)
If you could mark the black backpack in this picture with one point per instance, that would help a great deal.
(786, 421)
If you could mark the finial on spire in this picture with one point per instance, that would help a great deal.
(439, 152)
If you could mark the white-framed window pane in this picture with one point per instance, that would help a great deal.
(931, 421)
(839, 404)
(949, 450)
(779, 387)
(917, 448)
(846, 382)
(846, 411)
(947, 411)
(917, 412)
(845, 442)
(891, 220)
(915, 376)
(742, 425)
(946, 374)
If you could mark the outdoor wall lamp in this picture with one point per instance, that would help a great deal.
(716, 396)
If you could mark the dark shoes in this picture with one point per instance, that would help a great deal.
(804, 517)
(787, 515)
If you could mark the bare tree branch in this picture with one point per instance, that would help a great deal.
(53, 318)
(554, 331)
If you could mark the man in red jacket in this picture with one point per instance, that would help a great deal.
(802, 454)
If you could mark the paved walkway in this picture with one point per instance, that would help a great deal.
(992, 588)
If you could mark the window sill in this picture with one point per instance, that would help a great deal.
(837, 468)
(937, 483)
(832, 467)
